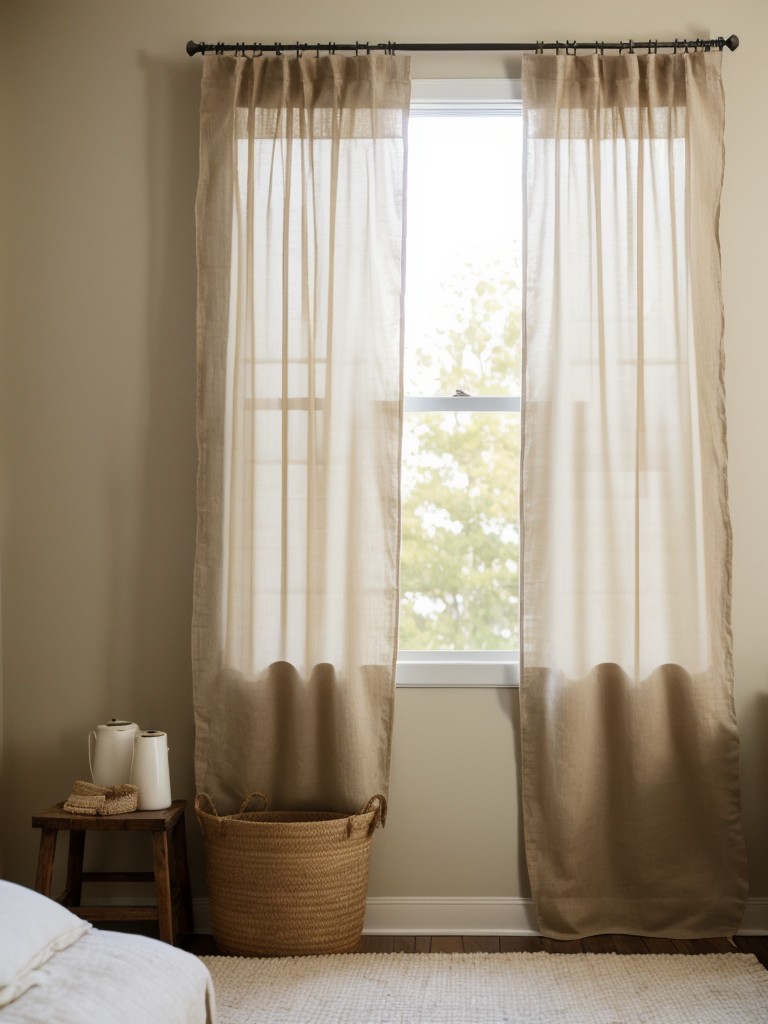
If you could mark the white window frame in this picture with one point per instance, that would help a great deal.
(448, 669)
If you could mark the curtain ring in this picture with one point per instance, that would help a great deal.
(631, 48)
(368, 49)
(299, 50)
(317, 51)
(279, 49)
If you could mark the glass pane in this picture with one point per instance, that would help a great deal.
(460, 542)
(462, 294)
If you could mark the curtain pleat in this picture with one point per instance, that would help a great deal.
(630, 746)
(299, 408)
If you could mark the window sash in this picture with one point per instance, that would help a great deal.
(438, 669)
(461, 403)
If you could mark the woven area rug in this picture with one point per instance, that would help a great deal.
(491, 988)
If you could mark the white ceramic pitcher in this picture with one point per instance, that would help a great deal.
(110, 752)
(150, 770)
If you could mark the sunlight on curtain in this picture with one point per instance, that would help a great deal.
(630, 748)
(300, 238)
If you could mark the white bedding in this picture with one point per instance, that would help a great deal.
(57, 969)
(115, 978)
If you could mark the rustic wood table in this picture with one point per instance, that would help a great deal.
(173, 909)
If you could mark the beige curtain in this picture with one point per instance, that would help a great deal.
(630, 748)
(300, 238)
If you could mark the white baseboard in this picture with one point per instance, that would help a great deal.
(414, 915)
(755, 918)
(459, 916)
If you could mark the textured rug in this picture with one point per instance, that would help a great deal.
(491, 988)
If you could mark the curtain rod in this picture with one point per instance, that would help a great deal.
(652, 45)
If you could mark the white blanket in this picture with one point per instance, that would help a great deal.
(114, 978)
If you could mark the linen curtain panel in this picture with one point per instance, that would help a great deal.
(629, 740)
(299, 239)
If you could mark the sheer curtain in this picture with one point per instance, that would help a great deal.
(300, 237)
(630, 747)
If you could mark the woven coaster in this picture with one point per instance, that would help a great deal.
(88, 798)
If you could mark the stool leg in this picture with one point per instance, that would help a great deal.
(163, 886)
(73, 893)
(181, 876)
(45, 860)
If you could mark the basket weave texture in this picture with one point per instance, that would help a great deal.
(287, 883)
(88, 798)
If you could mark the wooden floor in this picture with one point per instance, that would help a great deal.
(203, 945)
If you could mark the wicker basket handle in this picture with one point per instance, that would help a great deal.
(378, 804)
(204, 804)
(252, 796)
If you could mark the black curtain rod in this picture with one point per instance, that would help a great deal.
(652, 45)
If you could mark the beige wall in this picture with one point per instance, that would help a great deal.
(98, 382)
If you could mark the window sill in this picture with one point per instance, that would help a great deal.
(448, 669)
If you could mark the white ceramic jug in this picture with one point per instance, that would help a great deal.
(110, 752)
(150, 770)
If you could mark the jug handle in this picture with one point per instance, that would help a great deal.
(90, 756)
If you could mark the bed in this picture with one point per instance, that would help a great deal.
(58, 969)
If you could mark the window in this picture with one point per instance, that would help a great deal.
(460, 543)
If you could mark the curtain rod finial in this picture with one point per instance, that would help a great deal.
(732, 42)
(193, 47)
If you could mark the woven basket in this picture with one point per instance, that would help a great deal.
(287, 883)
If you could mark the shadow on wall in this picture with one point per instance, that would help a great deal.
(148, 657)
(155, 594)
(513, 707)
(753, 730)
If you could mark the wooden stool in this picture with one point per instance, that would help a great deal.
(170, 875)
